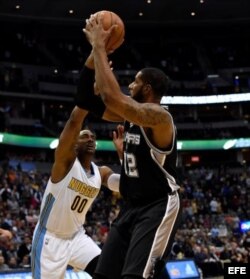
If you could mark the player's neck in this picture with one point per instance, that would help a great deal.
(88, 169)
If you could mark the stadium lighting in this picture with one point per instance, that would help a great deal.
(201, 100)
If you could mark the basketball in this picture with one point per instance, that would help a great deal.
(117, 36)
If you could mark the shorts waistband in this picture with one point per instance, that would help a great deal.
(62, 236)
(58, 235)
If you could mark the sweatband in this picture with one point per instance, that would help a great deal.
(114, 182)
(85, 97)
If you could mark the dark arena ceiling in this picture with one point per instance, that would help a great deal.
(142, 18)
(165, 12)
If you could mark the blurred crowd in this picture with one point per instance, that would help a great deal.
(214, 202)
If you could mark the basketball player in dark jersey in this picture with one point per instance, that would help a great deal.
(141, 236)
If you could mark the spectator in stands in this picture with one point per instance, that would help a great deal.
(3, 265)
(25, 263)
(13, 263)
(246, 240)
(24, 249)
(5, 235)
(214, 206)
(200, 253)
(5, 238)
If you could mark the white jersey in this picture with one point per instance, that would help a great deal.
(66, 203)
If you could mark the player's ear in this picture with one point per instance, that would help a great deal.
(147, 87)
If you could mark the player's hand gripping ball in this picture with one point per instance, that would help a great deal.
(117, 36)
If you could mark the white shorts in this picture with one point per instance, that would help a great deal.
(51, 255)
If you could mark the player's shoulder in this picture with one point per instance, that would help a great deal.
(104, 168)
(105, 172)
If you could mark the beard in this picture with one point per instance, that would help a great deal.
(138, 96)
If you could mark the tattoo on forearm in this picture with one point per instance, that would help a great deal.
(146, 115)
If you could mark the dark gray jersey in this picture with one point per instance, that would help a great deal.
(148, 173)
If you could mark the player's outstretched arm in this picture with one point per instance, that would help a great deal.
(65, 152)
(109, 179)
(87, 93)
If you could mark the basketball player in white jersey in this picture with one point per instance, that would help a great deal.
(59, 238)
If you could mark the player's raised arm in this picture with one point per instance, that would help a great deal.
(65, 152)
(143, 108)
(87, 95)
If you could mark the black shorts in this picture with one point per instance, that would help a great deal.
(139, 238)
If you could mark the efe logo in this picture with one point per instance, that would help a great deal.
(236, 270)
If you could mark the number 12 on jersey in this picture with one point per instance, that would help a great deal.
(130, 165)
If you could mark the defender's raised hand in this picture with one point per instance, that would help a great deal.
(118, 137)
